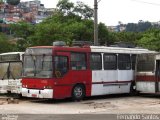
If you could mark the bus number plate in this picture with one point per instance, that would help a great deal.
(34, 95)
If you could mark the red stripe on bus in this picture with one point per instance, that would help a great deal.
(146, 78)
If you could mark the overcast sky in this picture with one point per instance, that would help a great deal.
(126, 11)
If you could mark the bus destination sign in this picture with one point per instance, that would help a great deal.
(11, 57)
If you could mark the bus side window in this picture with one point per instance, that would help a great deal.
(110, 61)
(124, 62)
(78, 61)
(61, 66)
(95, 61)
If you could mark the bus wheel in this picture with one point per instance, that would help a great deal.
(78, 92)
(133, 91)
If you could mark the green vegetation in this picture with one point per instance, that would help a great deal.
(74, 22)
(13, 2)
(70, 22)
(5, 45)
(1, 1)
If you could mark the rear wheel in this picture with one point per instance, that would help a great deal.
(78, 92)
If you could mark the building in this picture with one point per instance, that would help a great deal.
(30, 11)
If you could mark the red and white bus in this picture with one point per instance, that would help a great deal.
(61, 72)
(148, 73)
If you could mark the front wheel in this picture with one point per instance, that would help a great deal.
(78, 92)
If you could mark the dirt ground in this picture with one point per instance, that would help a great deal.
(112, 104)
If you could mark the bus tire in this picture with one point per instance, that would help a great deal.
(133, 91)
(78, 92)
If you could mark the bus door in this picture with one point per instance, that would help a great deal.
(61, 64)
(61, 73)
(157, 83)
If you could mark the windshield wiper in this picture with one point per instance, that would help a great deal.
(11, 75)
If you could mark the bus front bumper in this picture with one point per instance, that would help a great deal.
(46, 93)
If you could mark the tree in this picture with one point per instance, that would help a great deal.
(150, 39)
(83, 10)
(66, 25)
(22, 31)
(103, 34)
(13, 2)
(5, 45)
(65, 6)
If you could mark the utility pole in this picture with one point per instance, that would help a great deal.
(95, 23)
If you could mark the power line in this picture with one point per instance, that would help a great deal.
(140, 1)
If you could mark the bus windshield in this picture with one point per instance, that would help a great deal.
(10, 70)
(39, 66)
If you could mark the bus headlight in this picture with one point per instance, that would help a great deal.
(24, 86)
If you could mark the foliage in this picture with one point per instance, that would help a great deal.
(69, 23)
(126, 37)
(150, 39)
(13, 2)
(79, 9)
(65, 6)
(62, 28)
(103, 34)
(5, 45)
(22, 31)
(83, 10)
(1, 1)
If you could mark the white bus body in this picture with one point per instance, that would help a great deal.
(11, 72)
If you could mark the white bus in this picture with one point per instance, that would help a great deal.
(148, 73)
(11, 72)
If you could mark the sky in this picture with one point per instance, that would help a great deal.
(111, 12)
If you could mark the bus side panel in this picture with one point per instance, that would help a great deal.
(145, 83)
(102, 82)
(125, 75)
(63, 86)
(111, 82)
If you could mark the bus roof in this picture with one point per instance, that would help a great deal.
(99, 49)
(120, 50)
(10, 53)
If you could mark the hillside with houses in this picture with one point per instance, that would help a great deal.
(29, 11)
